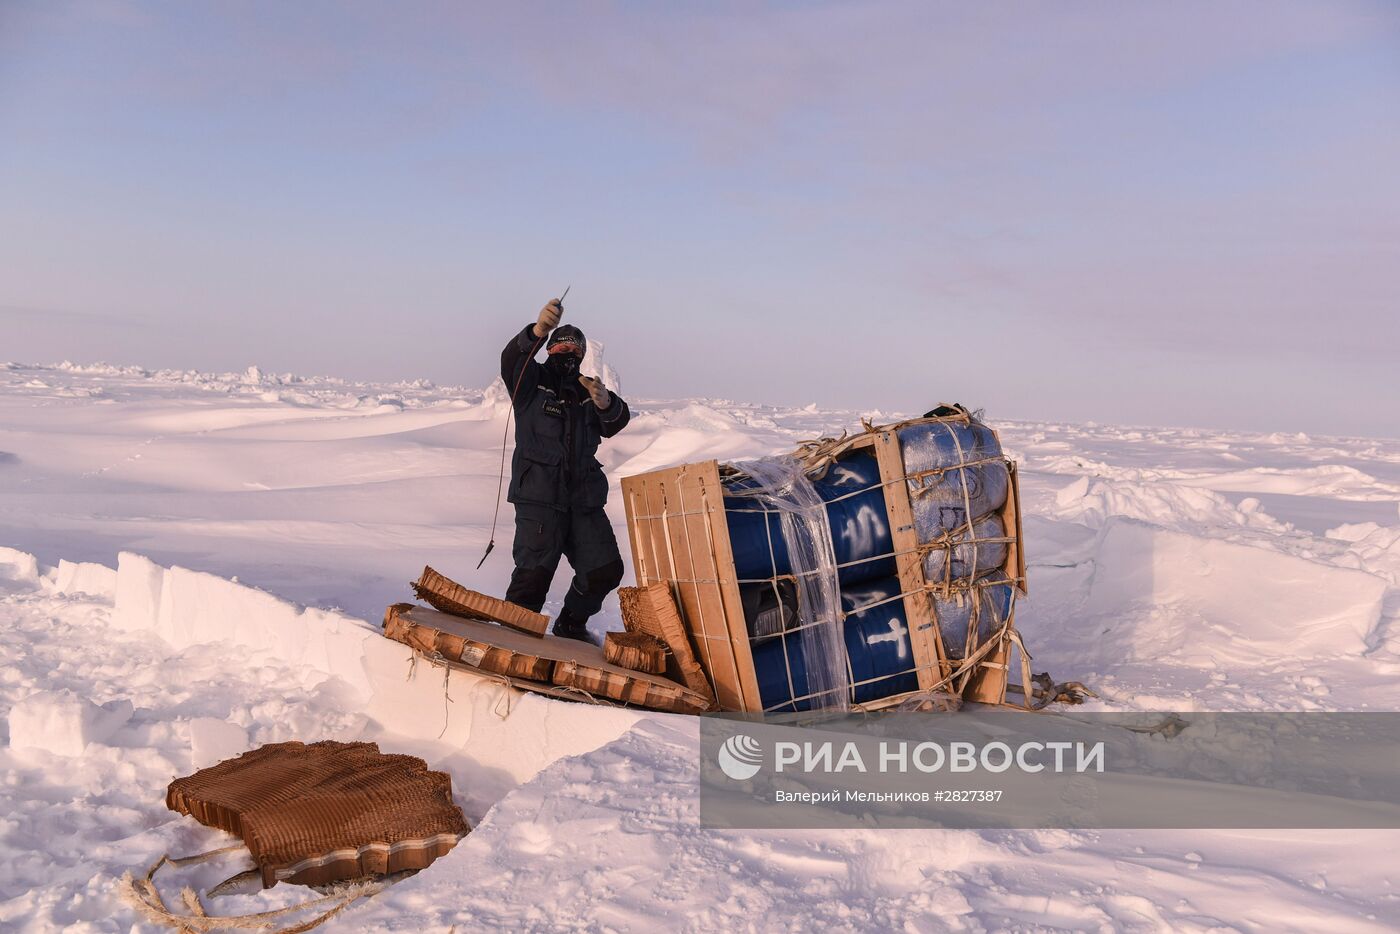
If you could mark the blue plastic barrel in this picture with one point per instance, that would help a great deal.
(860, 528)
(877, 648)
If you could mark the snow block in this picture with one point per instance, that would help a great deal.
(80, 577)
(509, 733)
(63, 723)
(213, 740)
(197, 607)
(18, 567)
(140, 582)
(514, 734)
(335, 645)
(187, 608)
(402, 704)
(1226, 601)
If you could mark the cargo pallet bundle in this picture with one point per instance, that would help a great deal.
(860, 572)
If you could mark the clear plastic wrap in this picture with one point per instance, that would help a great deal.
(855, 511)
(781, 485)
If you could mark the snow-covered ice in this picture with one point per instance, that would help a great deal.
(195, 564)
(63, 723)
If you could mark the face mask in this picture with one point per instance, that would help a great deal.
(566, 364)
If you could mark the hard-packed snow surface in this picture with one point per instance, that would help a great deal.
(195, 564)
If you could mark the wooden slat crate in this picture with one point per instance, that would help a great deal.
(680, 536)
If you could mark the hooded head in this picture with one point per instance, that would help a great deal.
(567, 339)
(566, 348)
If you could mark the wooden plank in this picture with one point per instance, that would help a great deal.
(676, 518)
(1011, 519)
(924, 636)
(987, 684)
(706, 616)
(716, 652)
(706, 499)
(650, 556)
(631, 488)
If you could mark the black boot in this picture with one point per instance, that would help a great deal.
(568, 626)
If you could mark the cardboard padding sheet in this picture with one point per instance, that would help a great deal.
(501, 651)
(449, 596)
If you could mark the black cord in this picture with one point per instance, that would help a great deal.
(505, 435)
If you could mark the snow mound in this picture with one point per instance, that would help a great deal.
(693, 432)
(1091, 501)
(1337, 481)
(1162, 594)
(63, 723)
(1372, 547)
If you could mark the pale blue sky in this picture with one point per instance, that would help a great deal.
(1182, 213)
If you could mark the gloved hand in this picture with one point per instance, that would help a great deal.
(549, 317)
(597, 391)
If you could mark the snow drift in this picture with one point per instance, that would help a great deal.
(140, 506)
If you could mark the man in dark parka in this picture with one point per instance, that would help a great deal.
(557, 485)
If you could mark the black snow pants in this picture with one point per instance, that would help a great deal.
(585, 536)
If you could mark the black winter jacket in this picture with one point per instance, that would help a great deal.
(557, 431)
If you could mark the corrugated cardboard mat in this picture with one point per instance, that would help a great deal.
(343, 815)
(546, 664)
